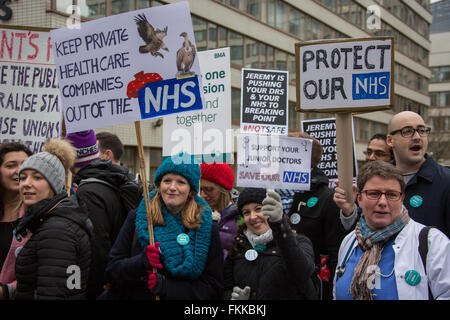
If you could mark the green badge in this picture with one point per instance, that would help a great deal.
(240, 221)
(183, 239)
(416, 201)
(312, 202)
(412, 277)
(260, 247)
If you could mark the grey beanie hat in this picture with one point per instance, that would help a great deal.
(49, 166)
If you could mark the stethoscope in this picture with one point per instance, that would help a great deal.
(341, 269)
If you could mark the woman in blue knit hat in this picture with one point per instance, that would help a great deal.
(187, 253)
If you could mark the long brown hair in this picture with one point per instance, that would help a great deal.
(190, 215)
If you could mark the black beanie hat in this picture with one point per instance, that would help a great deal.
(249, 195)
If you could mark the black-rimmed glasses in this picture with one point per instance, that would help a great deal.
(408, 132)
(376, 194)
(378, 153)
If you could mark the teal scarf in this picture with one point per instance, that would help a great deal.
(186, 261)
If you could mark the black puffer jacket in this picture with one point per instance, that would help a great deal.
(54, 263)
(282, 272)
(320, 222)
(106, 213)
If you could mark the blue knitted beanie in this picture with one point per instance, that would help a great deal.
(183, 164)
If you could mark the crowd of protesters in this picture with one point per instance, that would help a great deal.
(75, 225)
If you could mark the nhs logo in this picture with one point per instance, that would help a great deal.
(296, 177)
(169, 96)
(371, 85)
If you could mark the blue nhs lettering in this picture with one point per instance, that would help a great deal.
(296, 177)
(371, 85)
(169, 96)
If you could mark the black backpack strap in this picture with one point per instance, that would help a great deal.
(423, 251)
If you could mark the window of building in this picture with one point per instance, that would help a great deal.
(236, 49)
(212, 36)
(235, 106)
(155, 161)
(254, 8)
(294, 118)
(129, 159)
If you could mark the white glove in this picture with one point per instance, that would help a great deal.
(272, 207)
(240, 294)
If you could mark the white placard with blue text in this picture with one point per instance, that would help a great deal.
(273, 161)
(100, 61)
(205, 133)
(345, 75)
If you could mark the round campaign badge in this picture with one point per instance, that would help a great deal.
(295, 218)
(260, 247)
(183, 239)
(412, 277)
(312, 202)
(251, 255)
(416, 201)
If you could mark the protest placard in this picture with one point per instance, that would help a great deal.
(324, 130)
(264, 101)
(273, 161)
(29, 101)
(345, 75)
(127, 67)
(207, 133)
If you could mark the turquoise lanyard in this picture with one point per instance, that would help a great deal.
(341, 269)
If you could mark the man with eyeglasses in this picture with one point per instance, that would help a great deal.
(377, 149)
(427, 193)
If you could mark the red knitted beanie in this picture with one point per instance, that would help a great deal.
(220, 173)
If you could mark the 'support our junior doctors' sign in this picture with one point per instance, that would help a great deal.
(345, 75)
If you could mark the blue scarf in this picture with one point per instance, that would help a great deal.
(186, 261)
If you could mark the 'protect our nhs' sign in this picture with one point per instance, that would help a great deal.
(345, 75)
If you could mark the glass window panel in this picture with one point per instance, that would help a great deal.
(445, 73)
(252, 54)
(270, 57)
(293, 121)
(281, 60)
(212, 40)
(235, 104)
(200, 33)
(238, 4)
(262, 56)
(281, 16)
(294, 21)
(155, 3)
(254, 8)
(223, 37)
(236, 49)
(292, 68)
(89, 8)
(143, 4)
(271, 13)
(119, 6)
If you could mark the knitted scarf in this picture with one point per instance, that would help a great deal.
(371, 242)
(186, 261)
(263, 238)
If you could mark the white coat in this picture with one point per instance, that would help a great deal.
(407, 257)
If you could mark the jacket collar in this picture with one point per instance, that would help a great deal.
(427, 171)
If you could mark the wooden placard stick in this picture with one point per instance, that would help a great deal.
(143, 171)
(344, 145)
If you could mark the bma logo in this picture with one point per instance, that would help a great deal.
(371, 85)
(219, 55)
(296, 177)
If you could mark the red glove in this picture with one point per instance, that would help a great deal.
(151, 281)
(153, 256)
(324, 274)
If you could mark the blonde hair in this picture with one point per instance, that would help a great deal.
(225, 197)
(190, 215)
